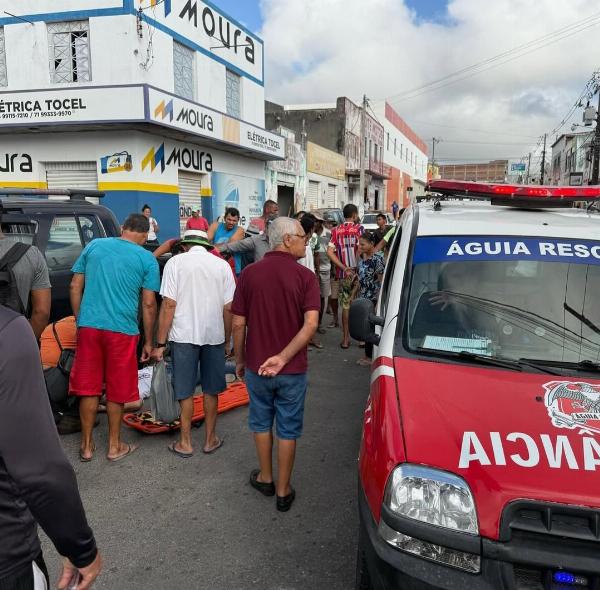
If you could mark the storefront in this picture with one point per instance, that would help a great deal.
(220, 165)
(286, 179)
(326, 171)
(135, 99)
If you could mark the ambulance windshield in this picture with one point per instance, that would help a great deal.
(506, 298)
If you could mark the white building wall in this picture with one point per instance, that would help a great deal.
(408, 158)
(118, 55)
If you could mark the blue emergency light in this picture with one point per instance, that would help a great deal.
(569, 579)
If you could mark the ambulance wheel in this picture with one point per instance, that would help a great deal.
(363, 578)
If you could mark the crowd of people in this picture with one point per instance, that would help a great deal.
(259, 300)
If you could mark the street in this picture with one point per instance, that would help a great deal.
(165, 522)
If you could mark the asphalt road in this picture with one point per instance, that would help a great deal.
(165, 522)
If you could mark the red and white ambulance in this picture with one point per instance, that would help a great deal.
(479, 464)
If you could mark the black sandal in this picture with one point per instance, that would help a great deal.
(267, 489)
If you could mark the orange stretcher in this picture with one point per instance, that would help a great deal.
(235, 396)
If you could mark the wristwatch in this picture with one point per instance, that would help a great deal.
(160, 344)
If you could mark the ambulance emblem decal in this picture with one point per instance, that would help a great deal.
(574, 405)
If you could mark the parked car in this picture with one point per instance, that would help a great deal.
(369, 220)
(480, 452)
(60, 223)
(330, 214)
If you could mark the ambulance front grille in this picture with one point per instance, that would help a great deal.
(556, 520)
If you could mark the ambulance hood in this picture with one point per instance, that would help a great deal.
(510, 434)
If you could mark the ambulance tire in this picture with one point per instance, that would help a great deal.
(363, 578)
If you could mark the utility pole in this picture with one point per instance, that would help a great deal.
(528, 168)
(434, 140)
(596, 144)
(543, 161)
(362, 151)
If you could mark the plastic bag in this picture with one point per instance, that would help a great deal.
(145, 381)
(163, 405)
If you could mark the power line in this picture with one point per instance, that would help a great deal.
(502, 58)
(485, 131)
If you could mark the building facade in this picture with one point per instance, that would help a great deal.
(326, 177)
(337, 128)
(286, 179)
(572, 159)
(494, 171)
(405, 156)
(151, 102)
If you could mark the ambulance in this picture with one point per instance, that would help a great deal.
(479, 463)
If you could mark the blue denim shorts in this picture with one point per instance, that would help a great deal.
(194, 365)
(279, 399)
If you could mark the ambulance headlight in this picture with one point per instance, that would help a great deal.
(432, 496)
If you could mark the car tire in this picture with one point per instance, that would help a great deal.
(363, 578)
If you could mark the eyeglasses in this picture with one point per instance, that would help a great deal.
(305, 237)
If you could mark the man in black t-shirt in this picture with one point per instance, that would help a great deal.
(37, 482)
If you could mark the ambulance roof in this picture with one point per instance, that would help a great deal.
(481, 218)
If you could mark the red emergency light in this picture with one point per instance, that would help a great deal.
(547, 196)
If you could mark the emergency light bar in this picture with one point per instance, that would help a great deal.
(518, 194)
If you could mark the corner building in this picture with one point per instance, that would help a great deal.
(158, 102)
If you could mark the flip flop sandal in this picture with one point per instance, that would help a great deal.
(87, 459)
(130, 449)
(215, 448)
(344, 346)
(177, 452)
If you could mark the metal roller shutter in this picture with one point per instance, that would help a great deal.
(72, 175)
(189, 196)
(331, 195)
(313, 194)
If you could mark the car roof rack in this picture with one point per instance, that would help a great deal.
(517, 195)
(73, 194)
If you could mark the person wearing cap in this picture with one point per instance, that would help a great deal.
(195, 320)
(196, 221)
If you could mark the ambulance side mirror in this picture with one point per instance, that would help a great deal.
(363, 321)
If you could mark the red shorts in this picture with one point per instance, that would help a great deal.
(105, 358)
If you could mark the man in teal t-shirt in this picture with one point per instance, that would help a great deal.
(110, 275)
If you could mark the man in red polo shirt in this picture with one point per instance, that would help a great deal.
(276, 314)
(196, 221)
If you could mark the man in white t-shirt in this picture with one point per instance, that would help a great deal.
(197, 290)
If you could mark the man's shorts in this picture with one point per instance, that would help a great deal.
(279, 399)
(345, 295)
(194, 364)
(325, 284)
(105, 358)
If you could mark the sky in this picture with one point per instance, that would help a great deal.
(317, 50)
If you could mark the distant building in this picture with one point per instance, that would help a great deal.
(404, 156)
(572, 159)
(494, 171)
(337, 128)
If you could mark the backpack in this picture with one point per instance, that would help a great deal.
(57, 379)
(9, 293)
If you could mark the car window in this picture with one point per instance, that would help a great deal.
(369, 219)
(64, 243)
(20, 231)
(90, 228)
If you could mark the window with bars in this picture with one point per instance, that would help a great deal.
(183, 68)
(69, 51)
(233, 94)
(3, 74)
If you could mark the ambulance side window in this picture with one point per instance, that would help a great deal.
(389, 271)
